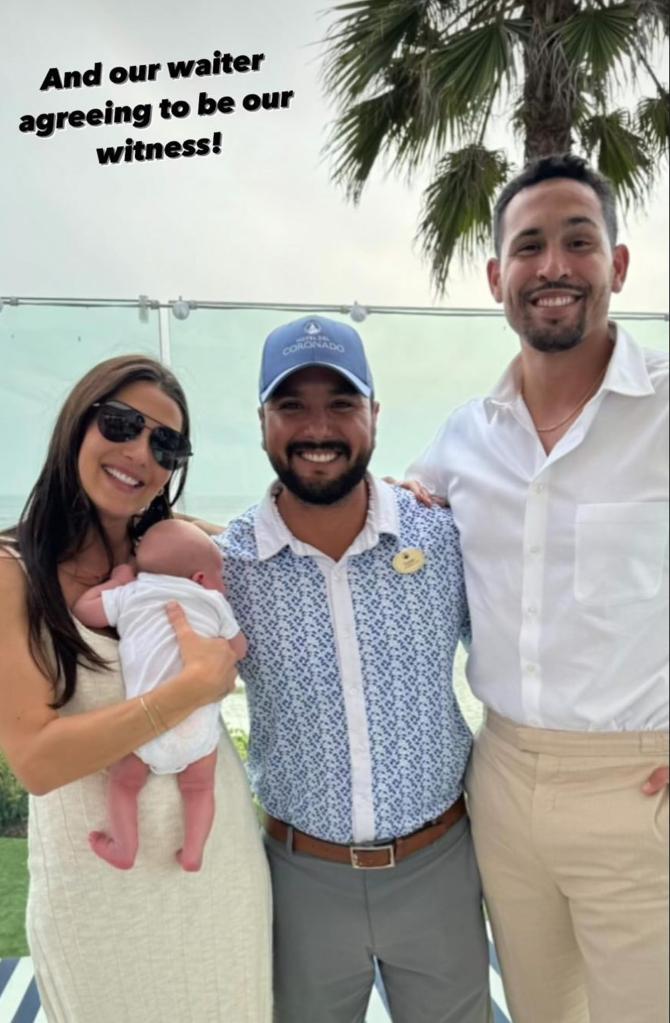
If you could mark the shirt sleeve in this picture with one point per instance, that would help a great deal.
(454, 539)
(229, 626)
(430, 467)
(111, 601)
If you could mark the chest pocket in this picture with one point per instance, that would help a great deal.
(620, 551)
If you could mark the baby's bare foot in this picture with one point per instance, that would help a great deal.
(189, 861)
(111, 851)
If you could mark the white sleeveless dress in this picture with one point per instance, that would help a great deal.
(153, 944)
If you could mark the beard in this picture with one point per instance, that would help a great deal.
(322, 491)
(559, 337)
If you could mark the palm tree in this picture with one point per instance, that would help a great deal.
(421, 80)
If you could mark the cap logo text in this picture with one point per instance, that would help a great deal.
(303, 346)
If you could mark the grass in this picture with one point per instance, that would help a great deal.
(13, 894)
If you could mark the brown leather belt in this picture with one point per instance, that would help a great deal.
(366, 857)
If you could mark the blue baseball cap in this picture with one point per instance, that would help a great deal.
(314, 341)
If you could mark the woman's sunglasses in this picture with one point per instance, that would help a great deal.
(119, 423)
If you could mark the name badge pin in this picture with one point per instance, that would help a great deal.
(409, 561)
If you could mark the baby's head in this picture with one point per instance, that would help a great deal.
(175, 547)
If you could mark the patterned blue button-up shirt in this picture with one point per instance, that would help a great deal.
(356, 734)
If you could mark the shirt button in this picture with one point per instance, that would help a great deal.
(530, 668)
(535, 549)
(539, 487)
(532, 610)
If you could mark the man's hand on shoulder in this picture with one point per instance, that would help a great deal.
(421, 493)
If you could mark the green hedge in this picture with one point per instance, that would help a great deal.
(13, 801)
(241, 743)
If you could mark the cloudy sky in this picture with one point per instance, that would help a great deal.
(260, 221)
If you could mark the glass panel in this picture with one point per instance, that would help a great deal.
(215, 354)
(424, 366)
(648, 333)
(44, 351)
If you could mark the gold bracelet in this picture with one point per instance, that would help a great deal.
(150, 716)
(155, 709)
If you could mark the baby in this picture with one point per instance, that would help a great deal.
(175, 561)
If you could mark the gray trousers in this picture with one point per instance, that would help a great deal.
(422, 920)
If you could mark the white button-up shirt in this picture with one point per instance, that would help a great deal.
(566, 554)
(272, 534)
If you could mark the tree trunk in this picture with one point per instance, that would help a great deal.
(551, 86)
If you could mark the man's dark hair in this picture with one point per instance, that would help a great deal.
(564, 165)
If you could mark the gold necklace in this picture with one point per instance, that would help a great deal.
(589, 394)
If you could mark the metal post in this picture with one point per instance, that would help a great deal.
(164, 336)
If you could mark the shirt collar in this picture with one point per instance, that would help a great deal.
(272, 533)
(626, 374)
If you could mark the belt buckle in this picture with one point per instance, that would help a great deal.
(354, 850)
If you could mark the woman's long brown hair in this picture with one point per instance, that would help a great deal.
(58, 517)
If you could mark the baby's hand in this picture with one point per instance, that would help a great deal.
(122, 574)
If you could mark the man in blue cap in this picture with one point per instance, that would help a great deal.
(352, 598)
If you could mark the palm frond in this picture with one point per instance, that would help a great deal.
(456, 16)
(653, 122)
(653, 15)
(427, 121)
(472, 65)
(367, 38)
(621, 154)
(400, 117)
(457, 208)
(360, 136)
(600, 38)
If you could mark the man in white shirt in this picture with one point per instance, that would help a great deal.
(558, 482)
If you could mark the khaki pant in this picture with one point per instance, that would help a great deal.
(574, 865)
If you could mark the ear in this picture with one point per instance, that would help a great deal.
(199, 578)
(620, 264)
(493, 274)
(374, 408)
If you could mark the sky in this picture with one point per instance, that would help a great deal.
(259, 222)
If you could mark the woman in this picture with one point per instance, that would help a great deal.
(155, 943)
